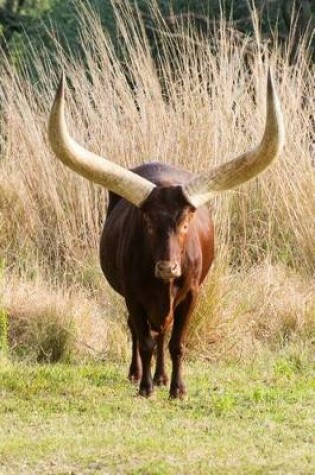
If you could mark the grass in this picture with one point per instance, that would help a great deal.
(250, 377)
(257, 418)
(200, 104)
(238, 315)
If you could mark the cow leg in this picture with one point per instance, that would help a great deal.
(160, 377)
(138, 320)
(176, 346)
(146, 347)
(135, 369)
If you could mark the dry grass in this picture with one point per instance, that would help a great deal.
(46, 324)
(238, 317)
(202, 103)
(242, 313)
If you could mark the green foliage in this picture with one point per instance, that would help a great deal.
(44, 20)
(58, 19)
(3, 332)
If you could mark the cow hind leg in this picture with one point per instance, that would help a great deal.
(135, 369)
(160, 376)
(176, 346)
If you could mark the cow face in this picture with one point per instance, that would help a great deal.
(167, 215)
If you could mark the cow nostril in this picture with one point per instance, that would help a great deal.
(167, 269)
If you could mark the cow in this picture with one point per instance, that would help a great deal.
(157, 243)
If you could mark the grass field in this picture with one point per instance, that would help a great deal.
(248, 419)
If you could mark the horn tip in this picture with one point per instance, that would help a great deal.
(61, 86)
(56, 107)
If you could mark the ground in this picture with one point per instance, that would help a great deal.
(245, 418)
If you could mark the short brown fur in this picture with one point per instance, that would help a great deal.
(165, 229)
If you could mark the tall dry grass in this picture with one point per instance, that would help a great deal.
(49, 324)
(199, 104)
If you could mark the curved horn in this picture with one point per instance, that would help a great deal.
(125, 183)
(231, 174)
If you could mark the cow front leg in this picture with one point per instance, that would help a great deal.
(135, 369)
(176, 346)
(160, 376)
(146, 347)
(146, 344)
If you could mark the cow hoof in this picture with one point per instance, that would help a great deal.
(177, 392)
(146, 391)
(160, 380)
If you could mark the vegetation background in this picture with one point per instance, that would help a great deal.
(225, 50)
(32, 18)
(182, 82)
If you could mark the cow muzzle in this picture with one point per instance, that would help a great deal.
(167, 269)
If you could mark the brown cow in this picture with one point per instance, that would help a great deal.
(157, 243)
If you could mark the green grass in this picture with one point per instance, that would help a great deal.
(253, 418)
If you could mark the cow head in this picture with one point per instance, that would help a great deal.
(167, 215)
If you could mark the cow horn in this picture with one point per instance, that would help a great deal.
(231, 174)
(124, 182)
